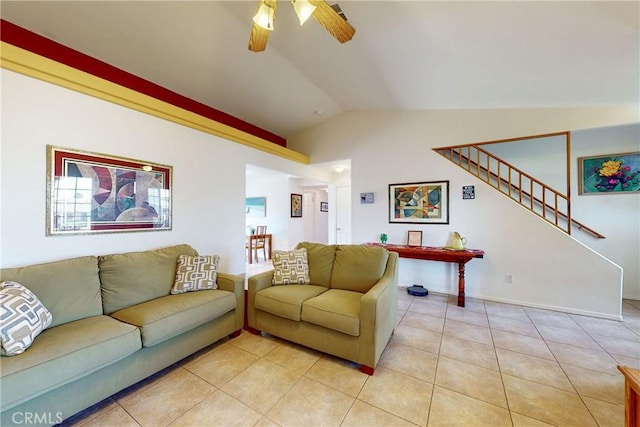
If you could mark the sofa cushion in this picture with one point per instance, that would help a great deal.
(321, 259)
(290, 267)
(23, 318)
(70, 289)
(135, 277)
(196, 273)
(166, 317)
(286, 301)
(358, 267)
(335, 309)
(64, 353)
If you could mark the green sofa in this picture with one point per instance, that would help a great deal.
(114, 324)
(348, 308)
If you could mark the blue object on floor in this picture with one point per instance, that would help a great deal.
(417, 290)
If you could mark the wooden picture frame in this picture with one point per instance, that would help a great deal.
(414, 238)
(91, 193)
(296, 205)
(419, 202)
(609, 174)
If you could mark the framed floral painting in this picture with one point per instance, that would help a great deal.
(296, 205)
(607, 174)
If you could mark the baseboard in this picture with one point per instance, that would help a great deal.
(534, 305)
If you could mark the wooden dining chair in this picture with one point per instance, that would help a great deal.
(259, 242)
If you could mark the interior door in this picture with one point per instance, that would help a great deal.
(343, 214)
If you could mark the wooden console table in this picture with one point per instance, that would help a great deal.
(631, 393)
(430, 253)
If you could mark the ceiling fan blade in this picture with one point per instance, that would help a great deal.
(260, 35)
(336, 25)
(258, 39)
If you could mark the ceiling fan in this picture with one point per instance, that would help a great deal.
(330, 17)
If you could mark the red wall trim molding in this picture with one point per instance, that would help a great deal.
(25, 39)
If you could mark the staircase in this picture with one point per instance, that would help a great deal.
(548, 203)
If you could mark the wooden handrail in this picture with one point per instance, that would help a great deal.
(518, 138)
(457, 150)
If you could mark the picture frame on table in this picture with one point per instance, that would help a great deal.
(414, 238)
(296, 205)
(609, 174)
(89, 193)
(424, 202)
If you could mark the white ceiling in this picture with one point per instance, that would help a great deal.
(406, 55)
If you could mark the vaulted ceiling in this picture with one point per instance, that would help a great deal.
(405, 55)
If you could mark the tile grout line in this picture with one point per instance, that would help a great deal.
(435, 373)
(404, 312)
(563, 369)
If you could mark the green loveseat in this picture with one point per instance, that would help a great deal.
(114, 324)
(348, 308)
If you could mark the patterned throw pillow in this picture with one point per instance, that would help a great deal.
(196, 273)
(23, 318)
(290, 267)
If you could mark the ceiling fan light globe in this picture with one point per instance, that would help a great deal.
(264, 17)
(303, 10)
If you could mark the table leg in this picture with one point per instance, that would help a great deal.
(270, 246)
(250, 250)
(461, 284)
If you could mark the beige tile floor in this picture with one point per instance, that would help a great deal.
(489, 364)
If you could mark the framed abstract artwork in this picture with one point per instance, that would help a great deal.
(419, 202)
(97, 193)
(296, 205)
(609, 174)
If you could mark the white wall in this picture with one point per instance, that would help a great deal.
(319, 229)
(208, 183)
(274, 186)
(389, 148)
(542, 158)
(209, 189)
(277, 188)
(616, 216)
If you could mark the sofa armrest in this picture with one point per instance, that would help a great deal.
(234, 283)
(255, 284)
(378, 309)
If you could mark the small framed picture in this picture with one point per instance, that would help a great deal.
(324, 207)
(296, 205)
(414, 238)
(366, 198)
